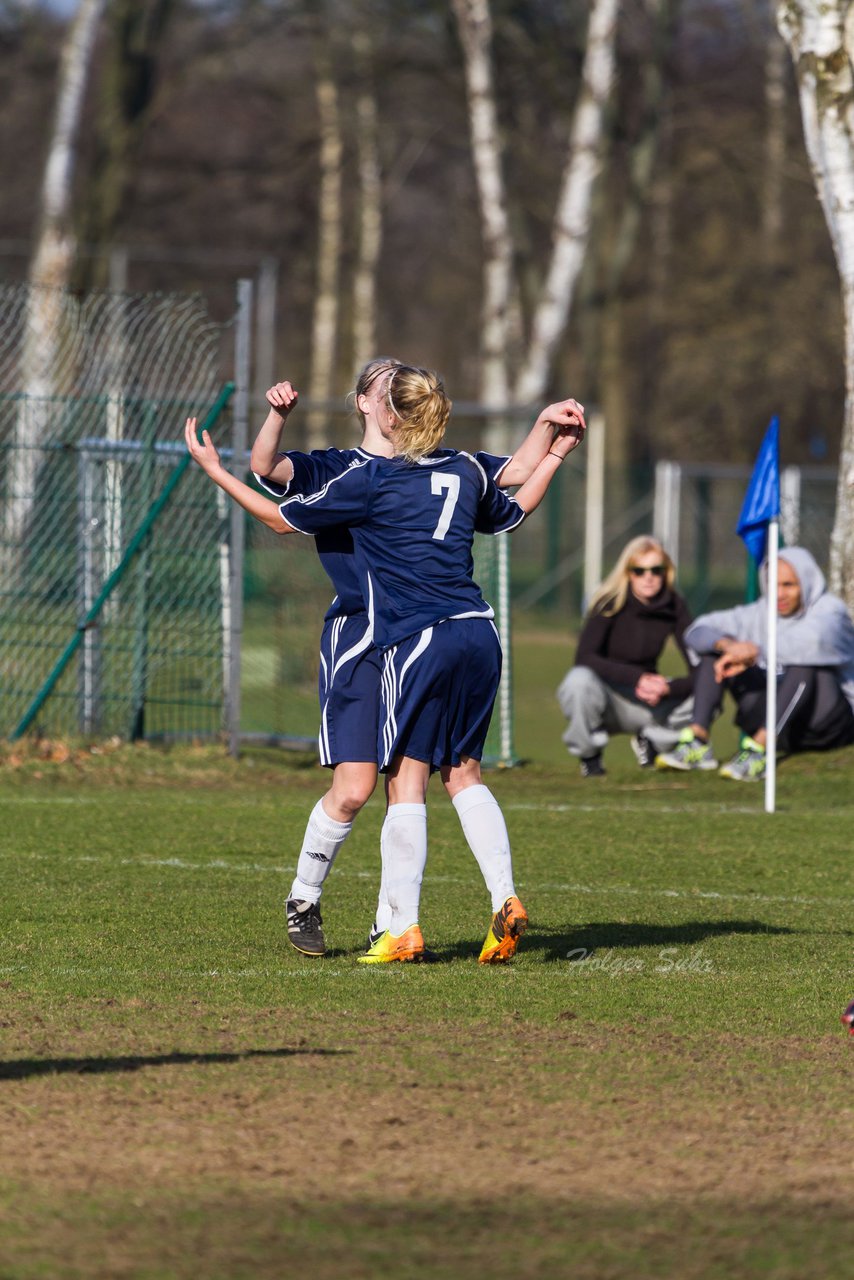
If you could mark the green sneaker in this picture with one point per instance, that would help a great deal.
(747, 765)
(689, 753)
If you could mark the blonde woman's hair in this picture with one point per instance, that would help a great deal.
(372, 370)
(610, 597)
(417, 399)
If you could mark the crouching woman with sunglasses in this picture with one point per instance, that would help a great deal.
(614, 686)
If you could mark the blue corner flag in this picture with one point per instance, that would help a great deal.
(762, 500)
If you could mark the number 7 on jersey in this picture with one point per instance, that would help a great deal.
(450, 484)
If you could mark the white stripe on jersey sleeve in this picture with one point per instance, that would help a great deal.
(306, 499)
(505, 528)
(272, 486)
(503, 466)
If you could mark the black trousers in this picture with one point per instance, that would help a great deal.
(813, 713)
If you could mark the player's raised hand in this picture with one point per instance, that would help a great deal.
(203, 451)
(566, 439)
(566, 416)
(282, 397)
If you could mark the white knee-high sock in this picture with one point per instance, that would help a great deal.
(404, 844)
(486, 832)
(323, 838)
(383, 917)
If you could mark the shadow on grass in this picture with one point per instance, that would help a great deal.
(584, 940)
(23, 1068)
(589, 938)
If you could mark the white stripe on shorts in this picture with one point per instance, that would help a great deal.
(362, 644)
(323, 749)
(393, 685)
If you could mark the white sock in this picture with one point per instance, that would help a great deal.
(321, 842)
(486, 832)
(383, 916)
(404, 845)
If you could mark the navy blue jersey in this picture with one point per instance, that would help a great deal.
(335, 544)
(413, 525)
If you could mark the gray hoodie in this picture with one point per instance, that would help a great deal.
(820, 634)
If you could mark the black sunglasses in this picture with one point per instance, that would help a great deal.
(637, 571)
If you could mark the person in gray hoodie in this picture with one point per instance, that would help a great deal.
(815, 672)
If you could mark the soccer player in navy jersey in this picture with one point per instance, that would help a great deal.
(350, 665)
(421, 508)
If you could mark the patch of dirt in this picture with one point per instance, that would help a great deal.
(324, 1111)
(114, 762)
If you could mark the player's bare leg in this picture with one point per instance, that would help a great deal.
(328, 827)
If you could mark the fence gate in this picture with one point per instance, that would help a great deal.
(114, 604)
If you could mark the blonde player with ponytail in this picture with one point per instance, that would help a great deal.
(406, 408)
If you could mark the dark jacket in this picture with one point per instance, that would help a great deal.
(621, 648)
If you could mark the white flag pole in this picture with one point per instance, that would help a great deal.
(771, 658)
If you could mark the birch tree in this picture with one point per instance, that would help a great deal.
(775, 146)
(572, 218)
(571, 227)
(370, 210)
(325, 323)
(50, 268)
(474, 22)
(820, 36)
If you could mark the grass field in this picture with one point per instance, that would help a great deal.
(658, 1086)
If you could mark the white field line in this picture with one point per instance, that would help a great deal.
(542, 887)
(719, 809)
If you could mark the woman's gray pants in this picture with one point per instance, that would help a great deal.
(595, 710)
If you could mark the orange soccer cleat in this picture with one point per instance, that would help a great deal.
(407, 947)
(506, 929)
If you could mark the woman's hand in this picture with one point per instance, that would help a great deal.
(282, 397)
(567, 419)
(202, 451)
(651, 688)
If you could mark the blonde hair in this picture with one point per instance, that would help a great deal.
(610, 597)
(417, 399)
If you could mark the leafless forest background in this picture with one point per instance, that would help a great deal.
(708, 298)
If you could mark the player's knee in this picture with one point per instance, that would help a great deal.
(458, 777)
(353, 795)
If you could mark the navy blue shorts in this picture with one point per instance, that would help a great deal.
(349, 689)
(438, 690)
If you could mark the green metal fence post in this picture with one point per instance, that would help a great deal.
(139, 676)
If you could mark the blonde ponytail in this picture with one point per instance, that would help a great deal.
(418, 401)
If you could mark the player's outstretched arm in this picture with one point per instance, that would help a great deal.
(265, 459)
(204, 452)
(533, 491)
(561, 415)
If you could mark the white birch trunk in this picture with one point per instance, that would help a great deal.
(775, 146)
(820, 36)
(370, 217)
(49, 270)
(325, 325)
(474, 22)
(572, 217)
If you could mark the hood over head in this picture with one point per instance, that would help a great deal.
(811, 578)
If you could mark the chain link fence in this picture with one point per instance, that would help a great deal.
(137, 601)
(93, 395)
